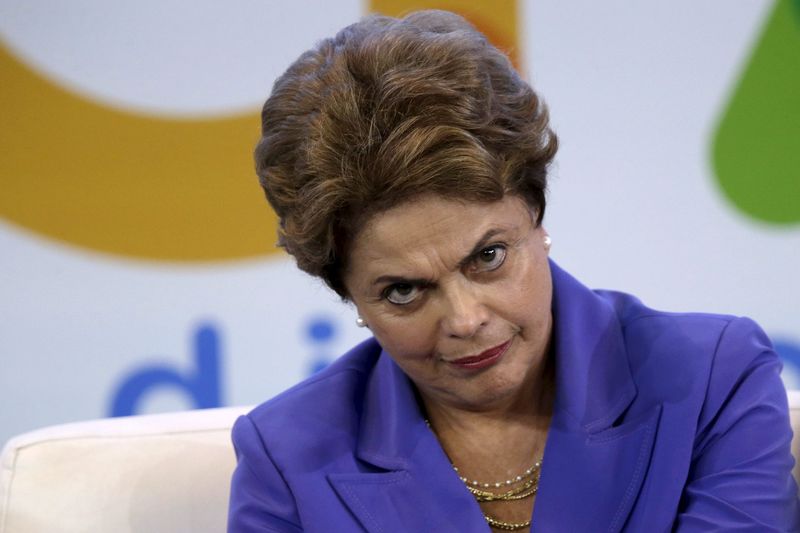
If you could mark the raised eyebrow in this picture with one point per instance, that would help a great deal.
(420, 282)
(482, 242)
(391, 280)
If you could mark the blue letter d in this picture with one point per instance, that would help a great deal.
(202, 386)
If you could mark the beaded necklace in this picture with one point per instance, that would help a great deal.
(519, 487)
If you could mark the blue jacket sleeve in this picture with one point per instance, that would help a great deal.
(741, 473)
(260, 499)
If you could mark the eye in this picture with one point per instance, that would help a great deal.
(401, 293)
(490, 258)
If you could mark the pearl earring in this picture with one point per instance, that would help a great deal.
(360, 322)
(547, 242)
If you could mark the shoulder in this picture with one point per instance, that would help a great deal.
(724, 415)
(689, 335)
(309, 425)
(710, 353)
(640, 322)
(331, 393)
(318, 409)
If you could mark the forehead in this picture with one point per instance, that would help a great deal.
(433, 229)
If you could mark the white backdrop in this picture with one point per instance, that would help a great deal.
(635, 91)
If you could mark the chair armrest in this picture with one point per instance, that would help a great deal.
(165, 472)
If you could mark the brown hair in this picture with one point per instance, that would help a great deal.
(388, 110)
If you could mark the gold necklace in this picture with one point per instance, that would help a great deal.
(529, 488)
(522, 486)
(525, 490)
(506, 526)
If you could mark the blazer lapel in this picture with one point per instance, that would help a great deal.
(411, 485)
(597, 454)
(590, 481)
(420, 498)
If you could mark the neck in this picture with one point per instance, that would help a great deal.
(496, 445)
(507, 438)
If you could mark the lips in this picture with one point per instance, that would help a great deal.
(483, 359)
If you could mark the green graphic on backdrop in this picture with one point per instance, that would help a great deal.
(756, 152)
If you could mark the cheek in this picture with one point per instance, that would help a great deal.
(406, 338)
(526, 296)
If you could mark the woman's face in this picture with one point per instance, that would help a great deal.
(458, 293)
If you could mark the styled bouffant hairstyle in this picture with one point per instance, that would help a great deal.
(387, 111)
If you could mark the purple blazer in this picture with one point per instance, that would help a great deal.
(662, 421)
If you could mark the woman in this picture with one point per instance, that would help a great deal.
(407, 162)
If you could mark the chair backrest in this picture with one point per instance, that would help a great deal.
(146, 473)
(168, 472)
(794, 414)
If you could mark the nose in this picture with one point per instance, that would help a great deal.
(464, 313)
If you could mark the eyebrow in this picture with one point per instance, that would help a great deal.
(479, 245)
(400, 279)
(482, 242)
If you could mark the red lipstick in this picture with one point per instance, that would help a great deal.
(483, 359)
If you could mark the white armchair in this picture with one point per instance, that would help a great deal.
(154, 473)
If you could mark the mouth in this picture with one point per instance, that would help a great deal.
(483, 359)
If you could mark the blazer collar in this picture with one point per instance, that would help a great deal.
(412, 486)
(594, 385)
(391, 422)
(595, 460)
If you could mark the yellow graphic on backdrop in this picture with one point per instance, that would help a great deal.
(498, 19)
(117, 182)
(153, 187)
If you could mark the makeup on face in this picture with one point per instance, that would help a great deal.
(458, 294)
(484, 359)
